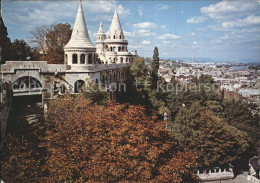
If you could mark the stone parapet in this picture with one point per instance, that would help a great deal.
(41, 66)
(116, 41)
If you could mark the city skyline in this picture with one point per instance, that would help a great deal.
(219, 30)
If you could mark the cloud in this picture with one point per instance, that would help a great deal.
(196, 19)
(140, 10)
(248, 21)
(164, 7)
(168, 36)
(122, 11)
(194, 42)
(230, 9)
(145, 25)
(163, 26)
(193, 34)
(166, 42)
(140, 33)
(29, 14)
(145, 42)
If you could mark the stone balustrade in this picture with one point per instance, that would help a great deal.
(215, 174)
(253, 179)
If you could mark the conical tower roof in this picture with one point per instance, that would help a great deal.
(80, 37)
(115, 25)
(101, 31)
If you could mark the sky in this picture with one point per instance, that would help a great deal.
(220, 30)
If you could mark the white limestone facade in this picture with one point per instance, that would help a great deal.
(108, 62)
(83, 62)
(113, 47)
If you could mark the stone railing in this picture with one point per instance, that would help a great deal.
(98, 67)
(42, 66)
(123, 53)
(116, 41)
(252, 178)
(215, 174)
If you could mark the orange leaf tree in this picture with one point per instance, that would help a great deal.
(113, 143)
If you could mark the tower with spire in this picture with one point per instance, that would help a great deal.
(113, 47)
(80, 51)
(100, 39)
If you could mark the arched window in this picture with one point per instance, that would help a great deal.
(90, 59)
(120, 36)
(103, 79)
(66, 59)
(119, 48)
(111, 49)
(74, 58)
(114, 37)
(126, 60)
(123, 48)
(121, 59)
(82, 58)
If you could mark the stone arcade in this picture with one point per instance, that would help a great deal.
(109, 63)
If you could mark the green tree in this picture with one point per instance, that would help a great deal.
(216, 142)
(21, 50)
(155, 67)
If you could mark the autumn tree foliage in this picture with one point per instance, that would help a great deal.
(87, 142)
(50, 41)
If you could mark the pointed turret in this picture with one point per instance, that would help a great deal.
(115, 31)
(80, 49)
(101, 31)
(80, 37)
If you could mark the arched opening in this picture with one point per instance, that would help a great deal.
(74, 58)
(106, 47)
(121, 59)
(126, 60)
(66, 59)
(120, 36)
(123, 48)
(111, 49)
(103, 80)
(26, 83)
(82, 58)
(119, 48)
(114, 37)
(78, 86)
(90, 59)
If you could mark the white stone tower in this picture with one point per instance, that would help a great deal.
(80, 51)
(101, 36)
